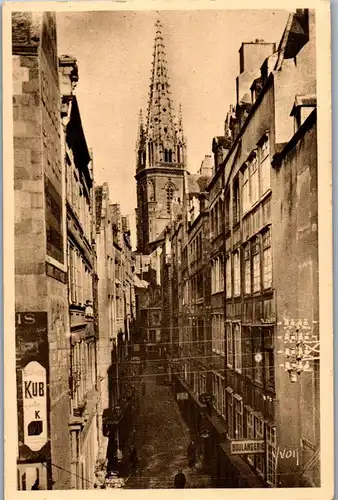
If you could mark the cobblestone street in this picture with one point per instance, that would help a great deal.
(161, 441)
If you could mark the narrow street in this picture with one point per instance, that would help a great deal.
(161, 441)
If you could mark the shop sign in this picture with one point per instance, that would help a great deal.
(182, 396)
(34, 395)
(205, 433)
(247, 446)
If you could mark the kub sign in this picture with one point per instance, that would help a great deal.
(34, 388)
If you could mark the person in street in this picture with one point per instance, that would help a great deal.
(180, 480)
(133, 459)
(191, 453)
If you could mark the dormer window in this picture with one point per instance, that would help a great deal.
(303, 107)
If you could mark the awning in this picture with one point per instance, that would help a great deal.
(140, 283)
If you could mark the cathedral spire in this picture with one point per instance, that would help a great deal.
(160, 128)
(161, 155)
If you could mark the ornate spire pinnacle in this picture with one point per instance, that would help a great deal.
(140, 131)
(160, 124)
(161, 140)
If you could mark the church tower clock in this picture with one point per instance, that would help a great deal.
(161, 155)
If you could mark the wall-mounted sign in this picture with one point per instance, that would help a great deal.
(181, 396)
(247, 446)
(34, 395)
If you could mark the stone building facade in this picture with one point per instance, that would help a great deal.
(116, 316)
(81, 265)
(260, 398)
(41, 300)
(263, 344)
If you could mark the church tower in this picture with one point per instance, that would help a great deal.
(161, 155)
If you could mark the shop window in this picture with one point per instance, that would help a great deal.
(271, 455)
(250, 431)
(259, 434)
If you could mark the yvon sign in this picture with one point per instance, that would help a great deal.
(34, 388)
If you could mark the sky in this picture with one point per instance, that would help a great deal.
(114, 55)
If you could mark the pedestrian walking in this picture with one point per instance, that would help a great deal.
(191, 453)
(133, 459)
(180, 480)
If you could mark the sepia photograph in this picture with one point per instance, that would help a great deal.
(169, 244)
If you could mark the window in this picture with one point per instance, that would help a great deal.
(228, 276)
(271, 455)
(265, 166)
(256, 265)
(254, 180)
(170, 189)
(221, 277)
(221, 334)
(227, 212)
(259, 434)
(258, 361)
(247, 351)
(230, 347)
(217, 392)
(238, 346)
(237, 275)
(230, 412)
(267, 260)
(269, 360)
(247, 270)
(245, 190)
(217, 274)
(250, 431)
(235, 200)
(216, 220)
(238, 409)
(224, 399)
